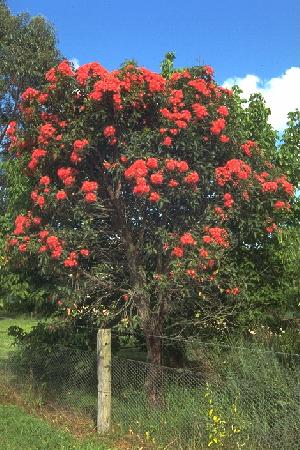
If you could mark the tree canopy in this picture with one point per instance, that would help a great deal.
(143, 188)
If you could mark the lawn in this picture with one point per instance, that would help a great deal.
(6, 341)
(19, 430)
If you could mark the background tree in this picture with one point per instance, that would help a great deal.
(27, 50)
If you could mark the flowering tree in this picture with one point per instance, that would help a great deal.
(143, 184)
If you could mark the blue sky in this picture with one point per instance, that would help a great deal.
(236, 37)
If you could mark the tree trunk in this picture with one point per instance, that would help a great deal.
(155, 377)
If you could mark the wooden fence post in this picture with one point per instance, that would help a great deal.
(104, 380)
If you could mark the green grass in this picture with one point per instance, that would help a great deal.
(19, 430)
(6, 341)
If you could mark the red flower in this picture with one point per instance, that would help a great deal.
(109, 131)
(192, 178)
(61, 195)
(50, 75)
(171, 164)
(65, 69)
(23, 248)
(79, 144)
(89, 186)
(43, 234)
(84, 252)
(167, 141)
(182, 166)
(154, 197)
(40, 201)
(141, 189)
(30, 94)
(223, 111)
(247, 147)
(45, 180)
(90, 197)
(11, 129)
(223, 138)
(281, 205)
(177, 251)
(203, 253)
(157, 178)
(199, 110)
(187, 239)
(37, 220)
(137, 169)
(269, 186)
(228, 200)
(57, 252)
(69, 262)
(75, 158)
(217, 126)
(38, 153)
(152, 163)
(191, 273)
(271, 228)
(173, 183)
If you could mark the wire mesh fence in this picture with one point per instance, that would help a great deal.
(223, 397)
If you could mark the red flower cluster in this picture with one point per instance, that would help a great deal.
(192, 178)
(50, 243)
(217, 236)
(21, 224)
(248, 146)
(217, 126)
(47, 131)
(271, 228)
(139, 170)
(187, 239)
(281, 205)
(223, 111)
(78, 146)
(89, 188)
(233, 291)
(67, 175)
(201, 86)
(199, 110)
(234, 170)
(90, 70)
(72, 260)
(178, 252)
(11, 129)
(45, 180)
(36, 155)
(65, 69)
(29, 94)
(228, 200)
(61, 195)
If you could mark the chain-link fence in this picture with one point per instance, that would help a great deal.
(223, 397)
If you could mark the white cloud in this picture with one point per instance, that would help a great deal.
(75, 62)
(282, 94)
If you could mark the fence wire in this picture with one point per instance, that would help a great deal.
(220, 398)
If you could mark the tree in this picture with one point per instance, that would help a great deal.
(144, 187)
(27, 50)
